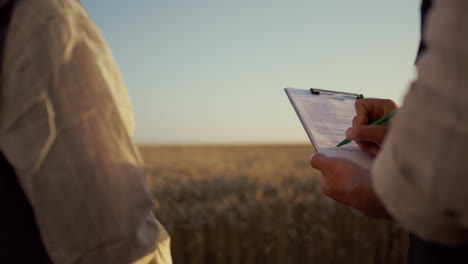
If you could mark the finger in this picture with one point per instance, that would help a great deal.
(368, 110)
(325, 187)
(373, 149)
(368, 147)
(349, 134)
(330, 166)
(364, 146)
(363, 109)
(321, 162)
(372, 133)
(355, 121)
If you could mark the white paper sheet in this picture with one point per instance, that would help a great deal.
(325, 118)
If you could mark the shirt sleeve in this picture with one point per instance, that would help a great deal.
(66, 127)
(421, 173)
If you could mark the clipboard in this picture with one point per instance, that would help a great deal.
(325, 115)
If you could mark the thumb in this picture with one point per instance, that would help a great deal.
(321, 162)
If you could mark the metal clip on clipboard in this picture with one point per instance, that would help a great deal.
(330, 92)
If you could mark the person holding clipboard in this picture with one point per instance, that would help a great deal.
(419, 176)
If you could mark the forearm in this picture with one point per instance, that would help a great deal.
(90, 198)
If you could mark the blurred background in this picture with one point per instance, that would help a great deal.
(227, 158)
(213, 71)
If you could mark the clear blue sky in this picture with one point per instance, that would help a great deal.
(214, 71)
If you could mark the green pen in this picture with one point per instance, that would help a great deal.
(379, 121)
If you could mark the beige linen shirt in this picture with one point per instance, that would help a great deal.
(66, 127)
(421, 173)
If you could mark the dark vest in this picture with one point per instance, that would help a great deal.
(425, 7)
(20, 241)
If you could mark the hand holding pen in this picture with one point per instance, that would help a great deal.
(369, 127)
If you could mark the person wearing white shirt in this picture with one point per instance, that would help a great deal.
(419, 176)
(72, 180)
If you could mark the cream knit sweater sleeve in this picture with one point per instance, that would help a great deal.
(421, 174)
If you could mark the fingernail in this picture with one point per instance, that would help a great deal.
(316, 154)
(348, 132)
(313, 154)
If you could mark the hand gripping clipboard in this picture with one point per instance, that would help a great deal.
(325, 115)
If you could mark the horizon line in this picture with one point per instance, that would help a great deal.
(220, 143)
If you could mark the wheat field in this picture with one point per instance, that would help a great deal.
(259, 204)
